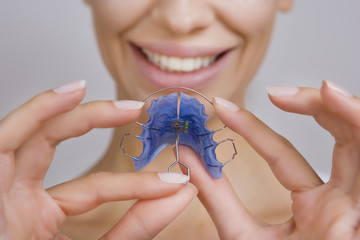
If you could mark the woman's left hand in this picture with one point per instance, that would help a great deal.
(328, 211)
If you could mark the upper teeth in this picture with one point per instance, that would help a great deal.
(176, 64)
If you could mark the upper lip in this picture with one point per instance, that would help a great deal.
(181, 50)
(169, 74)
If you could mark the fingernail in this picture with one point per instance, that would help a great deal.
(170, 177)
(282, 90)
(70, 87)
(226, 104)
(338, 88)
(128, 104)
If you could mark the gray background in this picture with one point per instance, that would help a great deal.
(47, 43)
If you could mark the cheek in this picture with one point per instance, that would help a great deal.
(248, 17)
(116, 16)
(112, 19)
(252, 20)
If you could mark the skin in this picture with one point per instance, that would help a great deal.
(198, 23)
(44, 211)
(320, 211)
(269, 192)
(203, 23)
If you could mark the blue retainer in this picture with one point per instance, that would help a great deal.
(190, 122)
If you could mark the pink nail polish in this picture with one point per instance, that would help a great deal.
(337, 88)
(226, 104)
(70, 87)
(128, 104)
(282, 90)
(170, 177)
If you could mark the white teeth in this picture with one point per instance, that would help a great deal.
(176, 64)
(198, 62)
(188, 64)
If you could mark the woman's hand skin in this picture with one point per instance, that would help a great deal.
(329, 211)
(28, 138)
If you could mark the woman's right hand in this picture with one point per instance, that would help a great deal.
(28, 138)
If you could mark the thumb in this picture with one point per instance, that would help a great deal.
(219, 199)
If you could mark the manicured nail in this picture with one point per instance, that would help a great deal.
(338, 88)
(226, 104)
(282, 90)
(70, 87)
(128, 104)
(170, 177)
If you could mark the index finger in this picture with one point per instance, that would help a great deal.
(37, 152)
(16, 127)
(287, 164)
(20, 124)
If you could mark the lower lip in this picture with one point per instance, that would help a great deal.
(195, 79)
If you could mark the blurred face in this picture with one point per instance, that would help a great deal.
(213, 46)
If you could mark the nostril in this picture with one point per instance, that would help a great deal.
(182, 17)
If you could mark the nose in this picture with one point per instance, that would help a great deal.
(182, 17)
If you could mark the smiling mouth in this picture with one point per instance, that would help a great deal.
(178, 64)
(167, 65)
